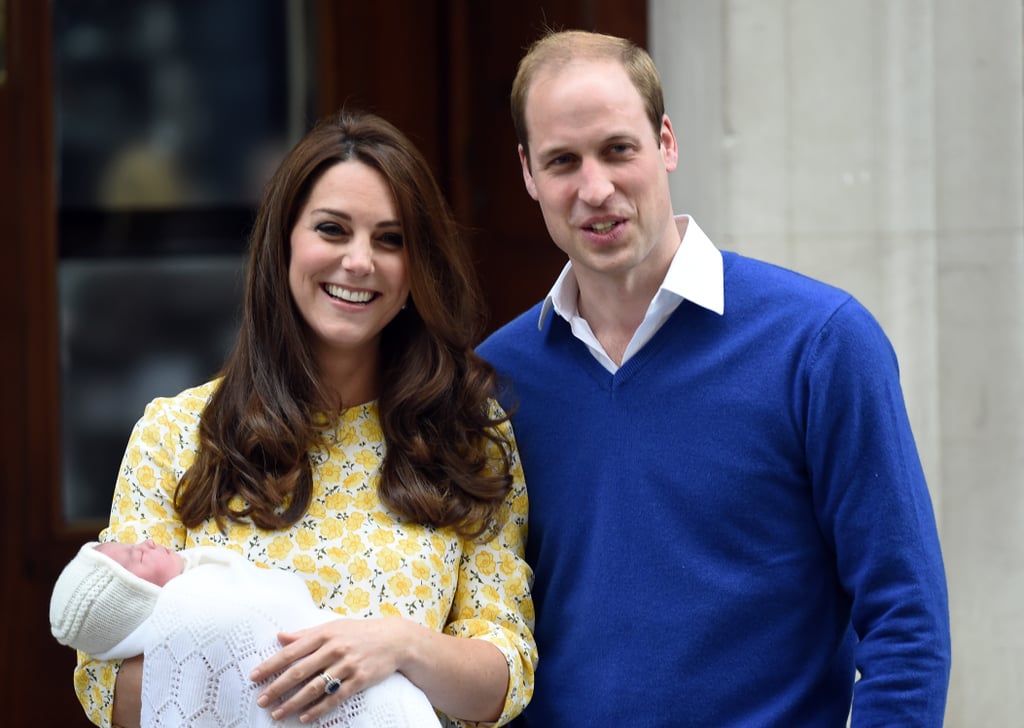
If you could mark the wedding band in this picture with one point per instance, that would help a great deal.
(331, 684)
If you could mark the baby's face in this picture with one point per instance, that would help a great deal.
(155, 564)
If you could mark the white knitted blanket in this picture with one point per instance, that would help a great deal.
(213, 624)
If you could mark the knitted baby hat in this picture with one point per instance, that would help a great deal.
(96, 602)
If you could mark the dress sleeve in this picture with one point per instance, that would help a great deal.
(492, 601)
(161, 447)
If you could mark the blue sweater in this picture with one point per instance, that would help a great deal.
(730, 525)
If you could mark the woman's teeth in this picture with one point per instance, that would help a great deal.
(602, 227)
(347, 295)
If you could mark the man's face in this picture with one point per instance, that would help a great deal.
(599, 171)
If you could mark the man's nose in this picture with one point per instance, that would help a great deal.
(595, 183)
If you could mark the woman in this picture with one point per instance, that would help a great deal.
(351, 438)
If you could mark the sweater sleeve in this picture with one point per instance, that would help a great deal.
(876, 513)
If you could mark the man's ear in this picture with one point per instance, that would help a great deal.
(524, 160)
(669, 145)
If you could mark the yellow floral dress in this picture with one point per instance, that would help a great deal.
(355, 556)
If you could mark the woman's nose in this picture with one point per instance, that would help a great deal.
(358, 256)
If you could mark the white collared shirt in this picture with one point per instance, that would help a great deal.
(695, 274)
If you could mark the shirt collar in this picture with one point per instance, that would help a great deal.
(695, 274)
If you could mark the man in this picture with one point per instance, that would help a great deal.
(728, 516)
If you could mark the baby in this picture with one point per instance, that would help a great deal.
(204, 617)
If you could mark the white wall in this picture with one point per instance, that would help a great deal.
(879, 145)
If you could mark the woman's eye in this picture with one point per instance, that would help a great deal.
(330, 228)
(392, 239)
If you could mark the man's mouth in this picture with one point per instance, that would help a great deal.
(348, 295)
(603, 227)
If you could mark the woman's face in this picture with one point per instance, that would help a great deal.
(348, 272)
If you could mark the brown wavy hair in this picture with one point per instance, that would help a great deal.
(447, 460)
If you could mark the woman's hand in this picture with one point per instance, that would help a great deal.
(464, 678)
(357, 652)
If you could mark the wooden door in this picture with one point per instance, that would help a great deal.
(440, 69)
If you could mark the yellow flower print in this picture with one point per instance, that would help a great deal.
(338, 556)
(389, 610)
(432, 619)
(366, 458)
(133, 457)
(491, 612)
(352, 544)
(446, 580)
(485, 563)
(388, 560)
(366, 500)
(160, 534)
(150, 435)
(507, 566)
(316, 509)
(358, 569)
(305, 538)
(338, 501)
(279, 548)
(107, 675)
(420, 570)
(437, 544)
(304, 563)
(155, 508)
(382, 538)
(129, 535)
(349, 437)
(81, 680)
(370, 430)
(240, 532)
(193, 403)
(466, 612)
(124, 505)
(329, 574)
(400, 585)
(515, 585)
(329, 471)
(409, 546)
(353, 481)
(236, 503)
(436, 563)
(318, 592)
(357, 599)
(146, 477)
(490, 593)
(423, 592)
(355, 521)
(527, 608)
(186, 458)
(331, 528)
(383, 519)
(212, 529)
